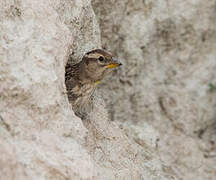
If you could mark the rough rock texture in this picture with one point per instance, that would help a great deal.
(40, 137)
(165, 96)
(38, 129)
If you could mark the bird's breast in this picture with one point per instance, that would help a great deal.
(82, 95)
(84, 91)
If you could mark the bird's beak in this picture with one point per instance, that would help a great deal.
(114, 63)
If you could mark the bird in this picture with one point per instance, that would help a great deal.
(82, 78)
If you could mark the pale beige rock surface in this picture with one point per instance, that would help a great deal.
(40, 137)
(162, 100)
(37, 123)
(168, 81)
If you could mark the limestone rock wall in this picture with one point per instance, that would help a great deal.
(39, 132)
(164, 96)
(40, 137)
(161, 102)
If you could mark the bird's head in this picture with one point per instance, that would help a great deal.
(97, 63)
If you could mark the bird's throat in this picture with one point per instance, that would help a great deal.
(96, 82)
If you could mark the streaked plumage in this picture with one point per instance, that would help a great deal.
(82, 78)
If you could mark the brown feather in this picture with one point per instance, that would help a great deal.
(81, 79)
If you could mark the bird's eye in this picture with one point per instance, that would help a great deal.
(101, 58)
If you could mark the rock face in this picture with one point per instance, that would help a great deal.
(40, 137)
(161, 103)
(165, 96)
